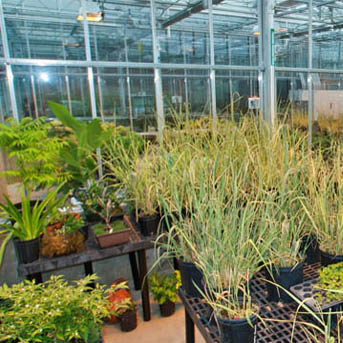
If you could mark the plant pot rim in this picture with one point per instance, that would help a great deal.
(26, 240)
(253, 317)
(322, 252)
(149, 216)
(289, 269)
(113, 233)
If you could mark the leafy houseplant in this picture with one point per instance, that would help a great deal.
(125, 309)
(101, 200)
(79, 154)
(164, 290)
(53, 311)
(63, 236)
(28, 223)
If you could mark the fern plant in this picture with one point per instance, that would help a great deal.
(35, 152)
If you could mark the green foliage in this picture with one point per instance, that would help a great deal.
(80, 153)
(35, 152)
(331, 282)
(53, 311)
(101, 199)
(29, 222)
(165, 287)
(116, 226)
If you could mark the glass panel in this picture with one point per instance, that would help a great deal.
(187, 41)
(5, 105)
(35, 86)
(233, 90)
(45, 31)
(124, 35)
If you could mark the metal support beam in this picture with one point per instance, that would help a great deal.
(89, 58)
(157, 71)
(193, 9)
(309, 77)
(9, 73)
(212, 63)
(269, 94)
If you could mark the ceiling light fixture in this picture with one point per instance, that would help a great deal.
(94, 13)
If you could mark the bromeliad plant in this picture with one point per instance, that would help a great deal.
(53, 311)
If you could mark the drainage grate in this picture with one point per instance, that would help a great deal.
(278, 325)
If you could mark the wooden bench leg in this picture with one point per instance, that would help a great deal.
(134, 270)
(144, 284)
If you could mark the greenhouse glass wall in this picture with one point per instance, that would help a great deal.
(140, 62)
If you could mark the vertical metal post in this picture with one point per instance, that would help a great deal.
(212, 63)
(309, 76)
(9, 72)
(157, 71)
(89, 59)
(128, 84)
(267, 35)
(99, 80)
(66, 80)
(185, 74)
(32, 78)
(260, 56)
(232, 104)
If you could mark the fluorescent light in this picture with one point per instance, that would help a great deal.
(93, 10)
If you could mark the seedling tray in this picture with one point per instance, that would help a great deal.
(278, 319)
(307, 292)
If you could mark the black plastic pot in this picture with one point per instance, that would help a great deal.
(237, 331)
(167, 308)
(310, 247)
(149, 224)
(190, 274)
(26, 251)
(327, 259)
(128, 321)
(286, 277)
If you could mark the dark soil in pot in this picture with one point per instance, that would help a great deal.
(149, 224)
(26, 251)
(190, 274)
(286, 277)
(237, 331)
(167, 308)
(327, 259)
(128, 321)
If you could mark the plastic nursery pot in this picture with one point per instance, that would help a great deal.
(149, 224)
(26, 251)
(115, 238)
(237, 330)
(285, 277)
(190, 274)
(128, 321)
(327, 259)
(167, 308)
(312, 249)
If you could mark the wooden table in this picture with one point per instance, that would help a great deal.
(137, 245)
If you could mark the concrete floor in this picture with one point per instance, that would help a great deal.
(157, 330)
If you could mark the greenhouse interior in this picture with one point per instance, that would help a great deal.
(171, 171)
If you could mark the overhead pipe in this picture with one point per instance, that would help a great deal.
(196, 8)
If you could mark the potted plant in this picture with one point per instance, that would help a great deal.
(63, 235)
(325, 207)
(125, 309)
(28, 223)
(282, 214)
(102, 201)
(164, 290)
(54, 311)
